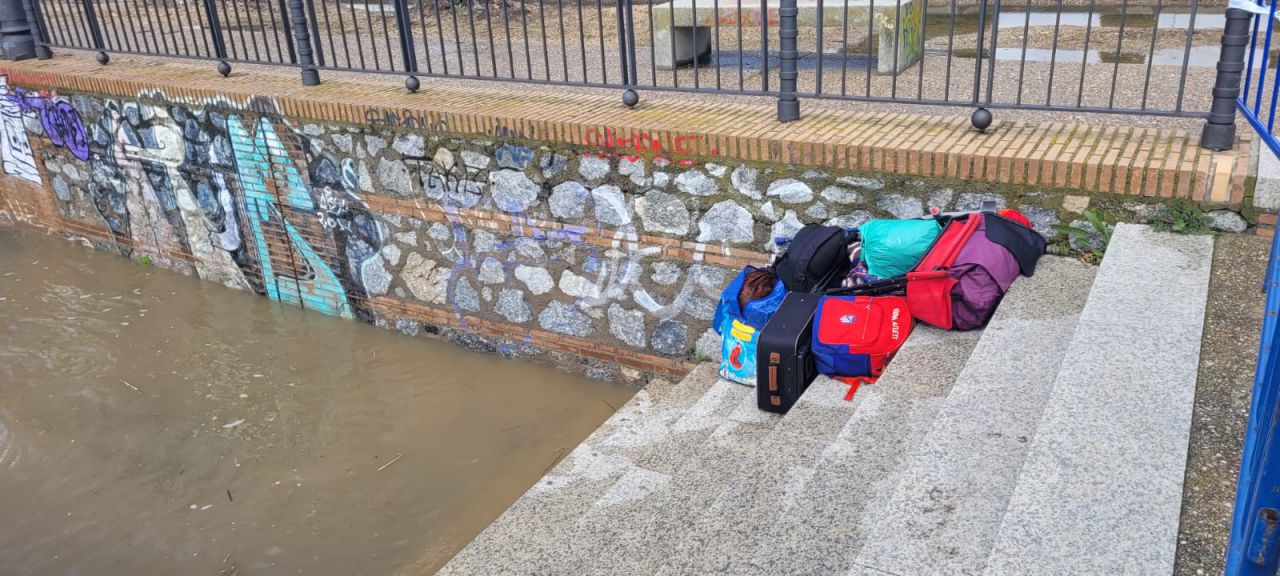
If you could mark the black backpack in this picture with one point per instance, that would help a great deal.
(817, 255)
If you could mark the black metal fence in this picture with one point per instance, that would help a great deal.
(1124, 56)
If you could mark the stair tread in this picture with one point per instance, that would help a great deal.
(819, 532)
(945, 513)
(525, 536)
(681, 477)
(1100, 490)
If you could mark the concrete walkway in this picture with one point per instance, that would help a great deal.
(1073, 406)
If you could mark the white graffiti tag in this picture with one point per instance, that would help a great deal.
(15, 148)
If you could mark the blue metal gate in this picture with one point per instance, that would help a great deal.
(1256, 523)
(1258, 95)
(1255, 527)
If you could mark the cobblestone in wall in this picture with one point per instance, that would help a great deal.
(496, 241)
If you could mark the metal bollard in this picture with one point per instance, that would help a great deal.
(788, 105)
(1219, 131)
(302, 37)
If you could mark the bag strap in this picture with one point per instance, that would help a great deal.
(870, 288)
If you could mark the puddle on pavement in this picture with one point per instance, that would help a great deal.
(152, 423)
(941, 25)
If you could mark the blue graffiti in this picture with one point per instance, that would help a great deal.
(258, 158)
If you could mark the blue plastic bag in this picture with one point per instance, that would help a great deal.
(739, 328)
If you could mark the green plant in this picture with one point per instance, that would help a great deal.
(145, 260)
(1093, 242)
(1183, 217)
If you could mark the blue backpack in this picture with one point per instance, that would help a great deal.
(739, 328)
(858, 335)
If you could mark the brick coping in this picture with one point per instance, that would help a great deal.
(1165, 163)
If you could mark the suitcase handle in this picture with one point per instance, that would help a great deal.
(774, 360)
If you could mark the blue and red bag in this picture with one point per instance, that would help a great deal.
(858, 335)
(739, 328)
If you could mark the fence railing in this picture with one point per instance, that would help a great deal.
(1153, 57)
(1255, 527)
(1254, 545)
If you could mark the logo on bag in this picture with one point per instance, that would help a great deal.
(894, 326)
(735, 357)
(848, 319)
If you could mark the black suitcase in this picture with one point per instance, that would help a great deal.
(784, 364)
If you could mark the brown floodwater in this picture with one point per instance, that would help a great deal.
(151, 423)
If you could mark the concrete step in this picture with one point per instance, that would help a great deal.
(1100, 490)
(798, 515)
(625, 530)
(945, 513)
(718, 536)
(528, 535)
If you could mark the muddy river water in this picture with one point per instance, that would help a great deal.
(151, 423)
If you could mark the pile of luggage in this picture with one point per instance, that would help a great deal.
(841, 302)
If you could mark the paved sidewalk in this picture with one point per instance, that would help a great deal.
(1089, 157)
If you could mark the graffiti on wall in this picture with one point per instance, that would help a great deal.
(60, 120)
(320, 217)
(15, 148)
(272, 185)
(607, 143)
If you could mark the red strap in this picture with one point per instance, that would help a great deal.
(854, 382)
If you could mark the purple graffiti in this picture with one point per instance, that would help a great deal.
(61, 121)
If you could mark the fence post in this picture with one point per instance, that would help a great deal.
(95, 32)
(788, 105)
(302, 37)
(215, 30)
(407, 51)
(37, 33)
(981, 117)
(1219, 131)
(626, 37)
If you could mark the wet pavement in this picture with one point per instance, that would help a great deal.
(1228, 355)
(152, 423)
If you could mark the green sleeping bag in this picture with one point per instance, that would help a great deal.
(892, 247)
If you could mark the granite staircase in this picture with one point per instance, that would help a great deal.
(1052, 442)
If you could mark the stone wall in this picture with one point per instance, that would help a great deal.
(605, 258)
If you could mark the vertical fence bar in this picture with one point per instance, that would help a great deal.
(619, 6)
(764, 43)
(1115, 70)
(1084, 61)
(215, 32)
(1151, 52)
(1022, 57)
(315, 32)
(95, 31)
(302, 36)
(977, 65)
(995, 45)
(1186, 55)
(817, 89)
(627, 35)
(788, 105)
(407, 51)
(1219, 131)
(286, 11)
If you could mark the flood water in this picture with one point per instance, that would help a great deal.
(153, 424)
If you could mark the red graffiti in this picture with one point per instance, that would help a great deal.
(613, 145)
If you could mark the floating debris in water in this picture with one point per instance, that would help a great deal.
(233, 424)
